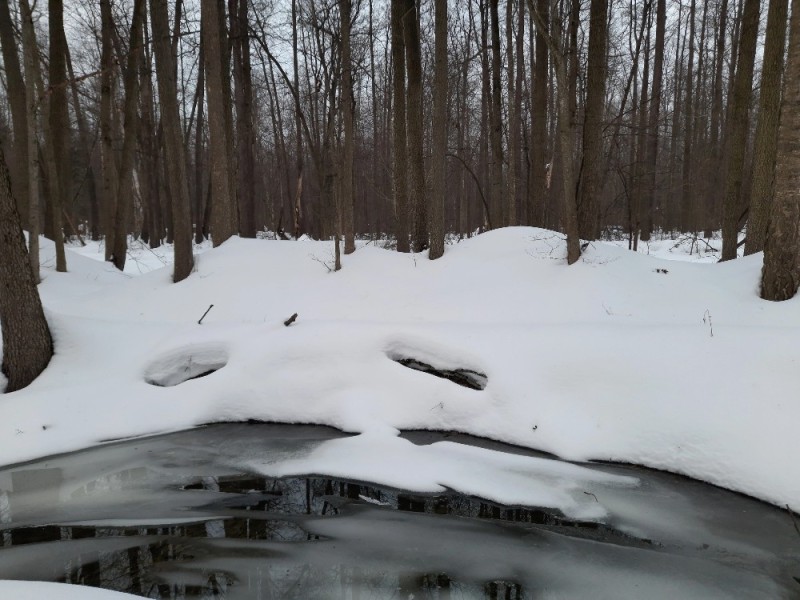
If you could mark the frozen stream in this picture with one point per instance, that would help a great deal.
(186, 515)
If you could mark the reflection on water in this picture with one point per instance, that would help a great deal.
(176, 517)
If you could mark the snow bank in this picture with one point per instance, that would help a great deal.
(36, 590)
(620, 357)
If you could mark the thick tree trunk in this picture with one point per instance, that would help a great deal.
(414, 133)
(762, 185)
(223, 215)
(781, 274)
(245, 124)
(27, 345)
(439, 134)
(738, 120)
(15, 87)
(591, 176)
(173, 140)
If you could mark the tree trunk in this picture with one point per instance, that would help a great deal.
(513, 128)
(537, 192)
(27, 345)
(565, 133)
(173, 140)
(651, 157)
(124, 193)
(414, 119)
(762, 185)
(58, 116)
(223, 221)
(15, 90)
(108, 164)
(496, 119)
(781, 274)
(591, 177)
(30, 53)
(348, 107)
(245, 124)
(687, 199)
(738, 119)
(439, 134)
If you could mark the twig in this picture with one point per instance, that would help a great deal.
(707, 314)
(200, 322)
(290, 320)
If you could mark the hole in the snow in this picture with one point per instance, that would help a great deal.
(184, 364)
(469, 378)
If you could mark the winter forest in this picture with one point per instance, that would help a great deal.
(169, 120)
(490, 298)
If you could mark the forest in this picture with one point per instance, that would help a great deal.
(402, 122)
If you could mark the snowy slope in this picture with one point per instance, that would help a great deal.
(609, 359)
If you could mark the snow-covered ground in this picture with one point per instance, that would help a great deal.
(621, 357)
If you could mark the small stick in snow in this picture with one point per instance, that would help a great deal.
(290, 320)
(200, 322)
(592, 495)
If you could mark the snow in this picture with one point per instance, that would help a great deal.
(621, 357)
(36, 590)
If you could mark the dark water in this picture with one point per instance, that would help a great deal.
(175, 516)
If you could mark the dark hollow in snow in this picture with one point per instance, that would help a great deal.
(464, 377)
(183, 365)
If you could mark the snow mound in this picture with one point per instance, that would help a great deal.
(185, 363)
(608, 359)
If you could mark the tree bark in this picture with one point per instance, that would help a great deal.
(15, 89)
(651, 156)
(538, 191)
(591, 179)
(347, 199)
(223, 221)
(245, 123)
(58, 117)
(439, 134)
(780, 276)
(27, 345)
(414, 118)
(124, 192)
(173, 140)
(496, 118)
(738, 119)
(762, 185)
(30, 54)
